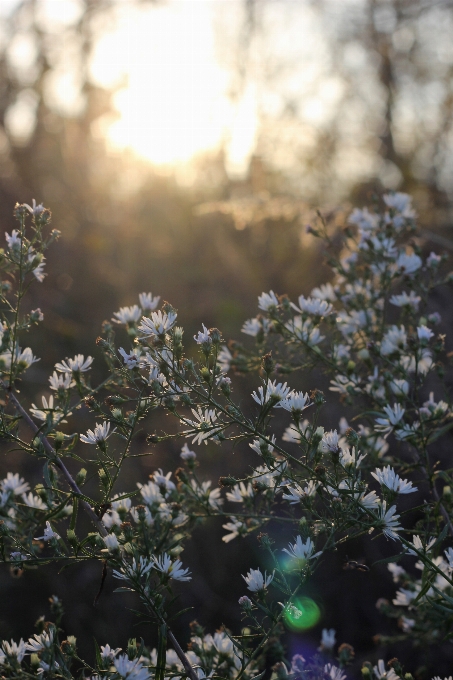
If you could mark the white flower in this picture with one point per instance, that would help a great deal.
(292, 435)
(313, 306)
(34, 502)
(369, 500)
(49, 533)
(172, 569)
(131, 669)
(235, 527)
(327, 640)
(61, 382)
(365, 220)
(267, 301)
(301, 552)
(305, 331)
(203, 425)
(273, 392)
(13, 241)
(148, 302)
(406, 300)
(334, 672)
(48, 410)
(202, 490)
(295, 402)
(111, 518)
(14, 483)
(449, 556)
(296, 493)
(239, 492)
(433, 260)
(387, 477)
(108, 652)
(398, 201)
(158, 324)
(324, 292)
(100, 433)
(224, 359)
(187, 454)
(424, 333)
(77, 365)
(394, 415)
(14, 649)
(389, 521)
(140, 568)
(35, 209)
(111, 542)
(349, 458)
(408, 264)
(393, 341)
(399, 387)
(127, 315)
(132, 358)
(256, 581)
(163, 481)
(396, 571)
(203, 336)
(418, 545)
(25, 358)
(151, 493)
(37, 643)
(330, 442)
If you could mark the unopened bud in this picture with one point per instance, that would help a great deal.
(267, 363)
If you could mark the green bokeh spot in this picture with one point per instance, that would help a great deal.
(302, 615)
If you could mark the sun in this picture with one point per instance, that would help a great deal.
(174, 105)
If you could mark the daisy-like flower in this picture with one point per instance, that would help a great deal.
(77, 365)
(34, 209)
(382, 674)
(34, 502)
(49, 533)
(235, 527)
(131, 669)
(449, 556)
(389, 521)
(394, 416)
(38, 272)
(350, 457)
(173, 570)
(330, 442)
(127, 315)
(13, 649)
(273, 392)
(301, 551)
(158, 324)
(394, 340)
(109, 653)
(295, 402)
(408, 264)
(47, 410)
(140, 568)
(296, 493)
(333, 672)
(370, 500)
(25, 358)
(203, 425)
(151, 493)
(418, 545)
(424, 333)
(148, 302)
(313, 306)
(240, 492)
(387, 477)
(63, 381)
(132, 358)
(203, 337)
(224, 359)
(13, 241)
(252, 327)
(187, 454)
(327, 640)
(256, 581)
(38, 643)
(97, 436)
(406, 300)
(13, 483)
(267, 301)
(111, 542)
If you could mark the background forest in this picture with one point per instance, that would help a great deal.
(183, 147)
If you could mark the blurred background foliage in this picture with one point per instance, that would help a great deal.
(324, 103)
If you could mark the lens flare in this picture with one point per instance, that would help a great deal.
(303, 614)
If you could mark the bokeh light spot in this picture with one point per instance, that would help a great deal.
(303, 614)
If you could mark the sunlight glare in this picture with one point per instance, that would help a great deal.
(174, 104)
